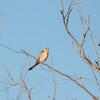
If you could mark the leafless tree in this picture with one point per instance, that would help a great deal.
(65, 18)
(78, 81)
(11, 82)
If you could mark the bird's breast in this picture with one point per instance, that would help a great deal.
(43, 57)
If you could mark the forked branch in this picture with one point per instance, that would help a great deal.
(73, 80)
(11, 82)
(65, 18)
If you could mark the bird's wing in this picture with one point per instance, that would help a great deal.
(41, 54)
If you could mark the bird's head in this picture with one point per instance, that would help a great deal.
(46, 49)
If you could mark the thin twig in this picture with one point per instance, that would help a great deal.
(96, 52)
(67, 76)
(10, 48)
(12, 82)
(20, 52)
(83, 56)
(81, 78)
(95, 77)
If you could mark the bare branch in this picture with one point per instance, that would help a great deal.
(20, 52)
(55, 86)
(81, 78)
(82, 54)
(95, 78)
(12, 82)
(9, 48)
(73, 80)
(96, 52)
(83, 30)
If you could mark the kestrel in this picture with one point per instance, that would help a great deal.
(41, 57)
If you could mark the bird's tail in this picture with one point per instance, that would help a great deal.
(34, 65)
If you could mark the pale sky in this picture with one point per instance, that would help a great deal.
(32, 25)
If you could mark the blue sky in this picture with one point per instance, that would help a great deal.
(32, 25)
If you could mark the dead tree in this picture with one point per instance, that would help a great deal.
(82, 54)
(11, 82)
(65, 17)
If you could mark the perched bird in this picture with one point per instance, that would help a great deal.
(41, 57)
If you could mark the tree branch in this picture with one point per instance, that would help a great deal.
(82, 54)
(12, 82)
(73, 80)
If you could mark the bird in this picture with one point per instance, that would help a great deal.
(43, 55)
